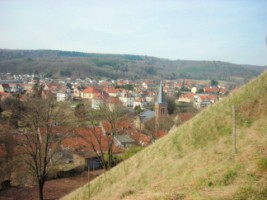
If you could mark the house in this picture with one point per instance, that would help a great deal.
(124, 141)
(142, 118)
(126, 136)
(113, 103)
(139, 137)
(99, 100)
(186, 98)
(77, 92)
(139, 101)
(5, 87)
(120, 82)
(87, 159)
(61, 96)
(127, 99)
(112, 92)
(28, 88)
(148, 84)
(87, 145)
(15, 88)
(159, 133)
(119, 126)
(212, 90)
(104, 83)
(194, 90)
(202, 101)
(89, 93)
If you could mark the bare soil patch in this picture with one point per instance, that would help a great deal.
(53, 189)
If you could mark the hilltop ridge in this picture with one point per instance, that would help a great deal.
(196, 160)
(55, 63)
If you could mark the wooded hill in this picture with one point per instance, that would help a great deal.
(52, 63)
(196, 160)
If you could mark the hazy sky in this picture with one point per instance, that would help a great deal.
(226, 30)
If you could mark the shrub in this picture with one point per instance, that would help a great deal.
(228, 177)
(131, 151)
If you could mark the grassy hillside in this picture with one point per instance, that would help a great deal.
(53, 63)
(196, 161)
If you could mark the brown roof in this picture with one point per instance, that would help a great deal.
(101, 95)
(91, 90)
(86, 137)
(160, 133)
(139, 137)
(211, 89)
(113, 100)
(112, 90)
(120, 125)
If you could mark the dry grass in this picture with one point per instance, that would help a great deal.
(196, 161)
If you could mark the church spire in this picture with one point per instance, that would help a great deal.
(161, 96)
(160, 106)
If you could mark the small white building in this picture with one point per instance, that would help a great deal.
(63, 96)
(194, 90)
(99, 100)
(127, 100)
(140, 102)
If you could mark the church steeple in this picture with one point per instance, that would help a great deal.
(161, 96)
(160, 106)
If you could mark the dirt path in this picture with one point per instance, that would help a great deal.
(53, 189)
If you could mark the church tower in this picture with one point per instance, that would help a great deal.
(160, 106)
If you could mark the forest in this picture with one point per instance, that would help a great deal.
(58, 64)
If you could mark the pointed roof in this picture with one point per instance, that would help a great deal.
(161, 97)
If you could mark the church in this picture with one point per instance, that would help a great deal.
(153, 117)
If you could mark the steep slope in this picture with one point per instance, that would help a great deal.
(196, 161)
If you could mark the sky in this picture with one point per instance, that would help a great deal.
(225, 30)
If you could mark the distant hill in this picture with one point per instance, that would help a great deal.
(196, 160)
(52, 63)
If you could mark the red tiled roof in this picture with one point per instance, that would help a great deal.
(211, 89)
(160, 133)
(5, 85)
(83, 140)
(112, 90)
(89, 137)
(52, 86)
(139, 137)
(120, 125)
(93, 90)
(101, 95)
(187, 95)
(114, 100)
(203, 97)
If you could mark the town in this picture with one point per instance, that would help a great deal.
(149, 109)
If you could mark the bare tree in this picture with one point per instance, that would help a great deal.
(150, 128)
(111, 114)
(94, 138)
(40, 141)
(7, 146)
(165, 124)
